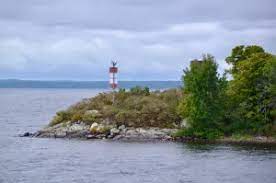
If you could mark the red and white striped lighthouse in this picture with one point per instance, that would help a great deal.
(113, 75)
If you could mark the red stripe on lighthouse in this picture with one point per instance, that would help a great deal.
(113, 70)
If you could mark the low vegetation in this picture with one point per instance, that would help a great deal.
(137, 107)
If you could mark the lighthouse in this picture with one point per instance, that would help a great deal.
(113, 75)
(113, 70)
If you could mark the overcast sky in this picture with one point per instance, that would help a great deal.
(151, 39)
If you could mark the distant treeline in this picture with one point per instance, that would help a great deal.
(14, 83)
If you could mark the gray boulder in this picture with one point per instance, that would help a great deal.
(114, 131)
(122, 127)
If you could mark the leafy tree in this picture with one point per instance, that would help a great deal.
(251, 90)
(240, 53)
(272, 90)
(203, 91)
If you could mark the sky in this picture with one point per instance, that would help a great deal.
(150, 39)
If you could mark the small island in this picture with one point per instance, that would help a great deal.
(209, 107)
(137, 114)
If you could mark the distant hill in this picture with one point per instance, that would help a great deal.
(14, 83)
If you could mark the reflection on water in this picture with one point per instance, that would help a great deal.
(60, 160)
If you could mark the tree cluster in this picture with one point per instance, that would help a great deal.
(245, 104)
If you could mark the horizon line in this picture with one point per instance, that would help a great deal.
(68, 80)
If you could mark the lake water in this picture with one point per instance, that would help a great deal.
(35, 160)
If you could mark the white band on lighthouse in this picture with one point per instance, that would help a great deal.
(115, 81)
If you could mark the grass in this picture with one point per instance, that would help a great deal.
(137, 107)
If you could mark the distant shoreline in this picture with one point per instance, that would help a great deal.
(67, 84)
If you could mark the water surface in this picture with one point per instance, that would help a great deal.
(30, 160)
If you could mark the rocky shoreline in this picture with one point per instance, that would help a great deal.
(99, 131)
(81, 130)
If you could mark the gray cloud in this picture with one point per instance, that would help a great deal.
(153, 40)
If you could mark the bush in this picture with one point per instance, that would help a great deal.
(77, 117)
(61, 116)
(137, 90)
(88, 118)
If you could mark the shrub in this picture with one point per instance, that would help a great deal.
(61, 116)
(137, 90)
(77, 117)
(89, 118)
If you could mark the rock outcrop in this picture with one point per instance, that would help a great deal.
(100, 131)
(65, 130)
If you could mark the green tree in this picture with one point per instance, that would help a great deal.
(272, 90)
(203, 91)
(251, 90)
(240, 53)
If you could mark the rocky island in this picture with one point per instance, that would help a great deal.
(137, 114)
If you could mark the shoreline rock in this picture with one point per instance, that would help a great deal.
(81, 130)
(100, 131)
(64, 130)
